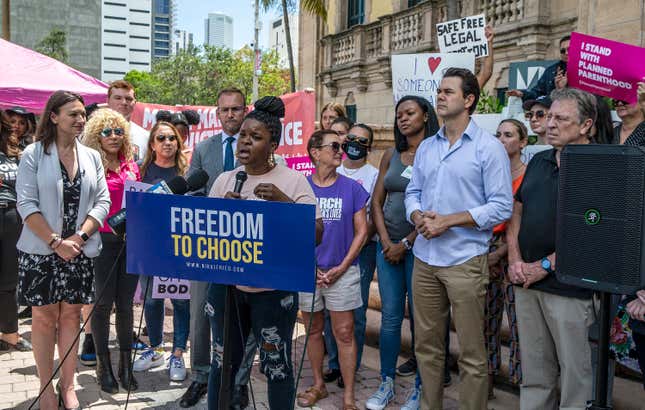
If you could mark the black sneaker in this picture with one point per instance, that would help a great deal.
(240, 399)
(25, 314)
(331, 375)
(447, 379)
(88, 354)
(193, 395)
(408, 368)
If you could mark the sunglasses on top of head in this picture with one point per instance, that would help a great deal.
(335, 146)
(361, 140)
(161, 137)
(106, 132)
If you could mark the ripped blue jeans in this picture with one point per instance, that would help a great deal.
(271, 316)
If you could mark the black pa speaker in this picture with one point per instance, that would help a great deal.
(601, 209)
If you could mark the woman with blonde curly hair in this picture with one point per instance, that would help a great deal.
(107, 131)
(164, 160)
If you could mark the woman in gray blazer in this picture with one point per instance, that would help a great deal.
(63, 199)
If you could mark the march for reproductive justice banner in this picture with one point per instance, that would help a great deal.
(605, 67)
(297, 125)
(226, 241)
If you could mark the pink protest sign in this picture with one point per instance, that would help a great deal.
(605, 67)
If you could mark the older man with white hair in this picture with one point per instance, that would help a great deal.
(553, 318)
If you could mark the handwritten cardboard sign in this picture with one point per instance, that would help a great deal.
(464, 35)
(605, 67)
(421, 74)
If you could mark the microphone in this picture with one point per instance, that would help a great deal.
(197, 180)
(178, 185)
(240, 179)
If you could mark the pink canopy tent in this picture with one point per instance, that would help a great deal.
(28, 78)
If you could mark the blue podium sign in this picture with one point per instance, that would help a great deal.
(234, 242)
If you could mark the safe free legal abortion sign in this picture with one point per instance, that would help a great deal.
(234, 242)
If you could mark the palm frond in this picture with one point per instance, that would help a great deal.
(316, 7)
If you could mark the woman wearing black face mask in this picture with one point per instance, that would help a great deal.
(357, 144)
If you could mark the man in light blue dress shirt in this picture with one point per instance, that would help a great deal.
(459, 190)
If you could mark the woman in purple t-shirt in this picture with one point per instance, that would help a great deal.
(342, 204)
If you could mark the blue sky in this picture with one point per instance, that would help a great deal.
(191, 15)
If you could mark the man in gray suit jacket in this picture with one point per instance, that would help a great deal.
(213, 155)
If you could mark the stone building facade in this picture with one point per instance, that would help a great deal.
(350, 63)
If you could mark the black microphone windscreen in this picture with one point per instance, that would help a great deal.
(241, 176)
(197, 179)
(178, 185)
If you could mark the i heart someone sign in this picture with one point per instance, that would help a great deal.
(420, 74)
(433, 63)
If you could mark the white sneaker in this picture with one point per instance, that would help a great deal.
(177, 368)
(152, 357)
(380, 399)
(414, 400)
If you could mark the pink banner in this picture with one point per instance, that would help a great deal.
(297, 126)
(605, 67)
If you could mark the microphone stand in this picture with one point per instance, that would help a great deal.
(229, 308)
(226, 367)
(600, 398)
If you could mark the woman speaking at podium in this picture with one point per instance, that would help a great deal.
(269, 314)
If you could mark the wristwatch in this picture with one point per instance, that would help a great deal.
(546, 265)
(406, 243)
(83, 235)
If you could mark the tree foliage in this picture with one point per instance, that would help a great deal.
(54, 45)
(194, 77)
(315, 7)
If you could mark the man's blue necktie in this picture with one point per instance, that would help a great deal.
(229, 159)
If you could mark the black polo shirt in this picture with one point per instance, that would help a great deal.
(538, 194)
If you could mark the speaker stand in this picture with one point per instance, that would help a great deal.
(226, 367)
(600, 400)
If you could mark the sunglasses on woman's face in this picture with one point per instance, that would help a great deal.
(106, 132)
(538, 114)
(361, 140)
(620, 102)
(335, 146)
(162, 138)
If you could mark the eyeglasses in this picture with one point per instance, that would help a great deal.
(557, 118)
(106, 132)
(564, 50)
(620, 102)
(538, 114)
(361, 140)
(162, 138)
(235, 110)
(335, 146)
